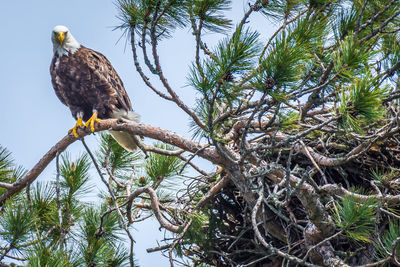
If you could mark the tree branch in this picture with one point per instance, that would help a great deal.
(135, 128)
(155, 206)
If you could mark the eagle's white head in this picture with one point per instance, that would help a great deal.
(63, 41)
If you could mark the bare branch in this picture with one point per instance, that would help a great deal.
(213, 191)
(155, 206)
(6, 185)
(262, 240)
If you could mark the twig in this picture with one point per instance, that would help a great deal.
(107, 166)
(321, 243)
(213, 191)
(360, 15)
(149, 250)
(155, 206)
(395, 244)
(177, 240)
(121, 218)
(378, 263)
(27, 244)
(390, 213)
(375, 16)
(313, 161)
(140, 71)
(252, 263)
(14, 258)
(164, 151)
(144, 41)
(175, 97)
(62, 234)
(338, 190)
(262, 240)
(194, 166)
(100, 229)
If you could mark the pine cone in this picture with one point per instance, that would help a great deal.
(228, 77)
(142, 180)
(269, 83)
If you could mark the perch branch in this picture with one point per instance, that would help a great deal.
(135, 128)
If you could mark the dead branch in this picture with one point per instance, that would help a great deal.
(155, 206)
(213, 191)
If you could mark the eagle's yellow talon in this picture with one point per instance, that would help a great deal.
(79, 123)
(90, 122)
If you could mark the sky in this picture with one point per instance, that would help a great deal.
(32, 119)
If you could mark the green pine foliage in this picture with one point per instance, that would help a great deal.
(387, 179)
(233, 56)
(290, 56)
(157, 17)
(30, 226)
(158, 166)
(285, 62)
(352, 56)
(201, 231)
(355, 218)
(214, 79)
(9, 172)
(197, 228)
(101, 248)
(41, 256)
(361, 104)
(391, 49)
(385, 246)
(44, 207)
(289, 120)
(236, 55)
(75, 176)
(345, 23)
(6, 164)
(196, 233)
(310, 31)
(211, 13)
(374, 5)
(15, 225)
(276, 10)
(119, 160)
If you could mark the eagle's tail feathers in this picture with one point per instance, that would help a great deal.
(126, 140)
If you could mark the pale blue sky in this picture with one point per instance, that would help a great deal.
(32, 119)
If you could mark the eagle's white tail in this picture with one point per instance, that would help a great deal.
(126, 140)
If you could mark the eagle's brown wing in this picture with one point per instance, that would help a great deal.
(86, 81)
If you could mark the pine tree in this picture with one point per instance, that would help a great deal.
(302, 129)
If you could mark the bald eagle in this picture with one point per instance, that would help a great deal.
(85, 81)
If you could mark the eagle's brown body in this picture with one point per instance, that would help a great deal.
(86, 81)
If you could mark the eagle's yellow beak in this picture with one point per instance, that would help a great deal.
(61, 37)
